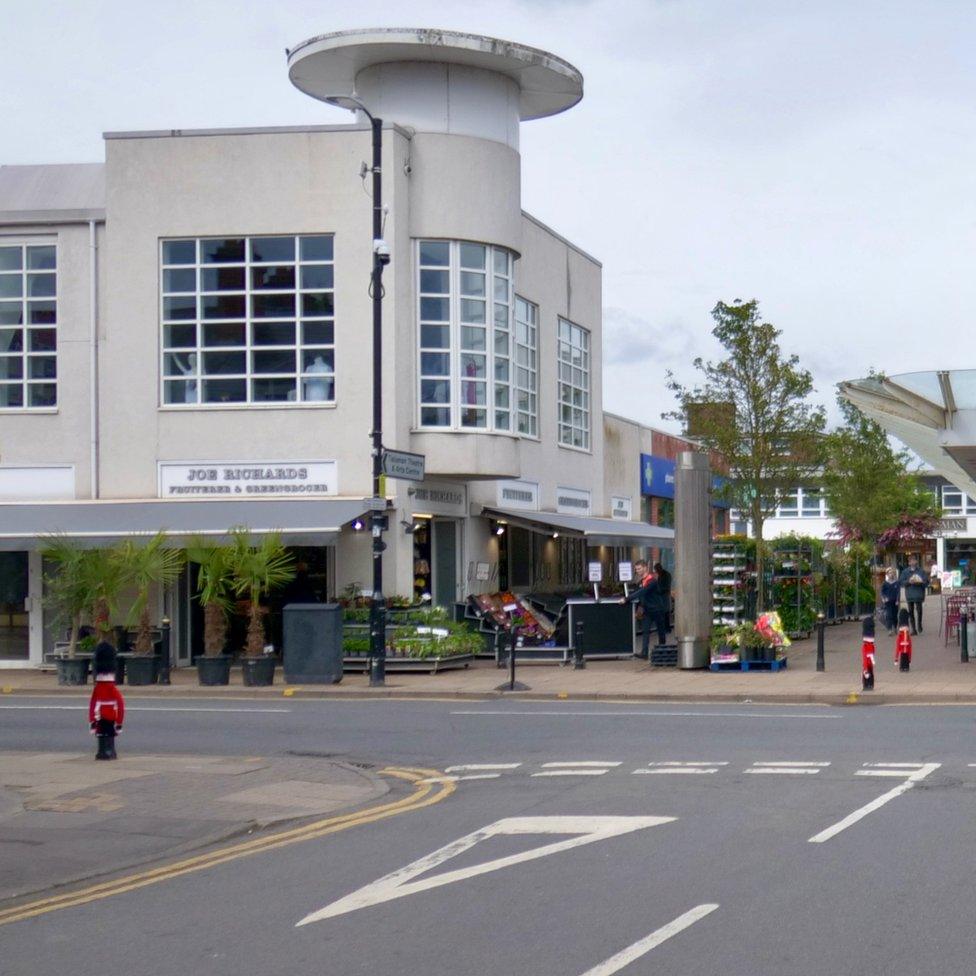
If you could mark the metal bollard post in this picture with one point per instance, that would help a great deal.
(578, 661)
(821, 625)
(511, 659)
(164, 638)
(964, 637)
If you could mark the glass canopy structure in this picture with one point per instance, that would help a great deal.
(932, 413)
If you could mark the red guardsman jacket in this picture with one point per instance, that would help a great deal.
(106, 702)
(903, 643)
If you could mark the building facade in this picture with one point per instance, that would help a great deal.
(185, 340)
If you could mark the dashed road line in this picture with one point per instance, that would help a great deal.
(787, 767)
(581, 763)
(475, 767)
(672, 768)
(572, 772)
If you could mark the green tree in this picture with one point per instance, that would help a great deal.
(145, 565)
(752, 408)
(258, 569)
(869, 488)
(214, 591)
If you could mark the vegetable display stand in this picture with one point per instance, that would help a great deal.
(793, 589)
(430, 665)
(778, 665)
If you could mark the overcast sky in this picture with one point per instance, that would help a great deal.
(818, 155)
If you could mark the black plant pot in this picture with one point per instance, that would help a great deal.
(214, 670)
(140, 669)
(72, 671)
(258, 671)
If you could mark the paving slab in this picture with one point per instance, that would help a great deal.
(65, 818)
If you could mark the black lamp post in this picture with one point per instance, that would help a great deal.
(379, 521)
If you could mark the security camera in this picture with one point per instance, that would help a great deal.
(382, 250)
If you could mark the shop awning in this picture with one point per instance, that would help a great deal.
(28, 525)
(596, 531)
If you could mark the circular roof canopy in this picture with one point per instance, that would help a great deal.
(327, 65)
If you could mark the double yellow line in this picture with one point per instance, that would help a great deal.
(427, 791)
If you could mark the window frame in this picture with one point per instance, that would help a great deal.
(248, 264)
(531, 368)
(491, 406)
(586, 368)
(25, 355)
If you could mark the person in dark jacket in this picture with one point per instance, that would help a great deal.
(890, 593)
(650, 598)
(914, 582)
(664, 581)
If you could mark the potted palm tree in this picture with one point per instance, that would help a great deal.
(145, 565)
(214, 591)
(67, 594)
(258, 569)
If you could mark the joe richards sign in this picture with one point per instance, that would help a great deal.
(247, 479)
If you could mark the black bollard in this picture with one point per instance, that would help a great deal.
(821, 625)
(579, 663)
(164, 639)
(513, 643)
(964, 638)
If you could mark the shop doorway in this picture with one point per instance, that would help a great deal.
(436, 558)
(14, 607)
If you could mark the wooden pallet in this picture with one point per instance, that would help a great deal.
(748, 665)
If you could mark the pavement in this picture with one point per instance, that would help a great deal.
(937, 676)
(65, 818)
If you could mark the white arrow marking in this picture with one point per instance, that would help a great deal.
(911, 779)
(399, 884)
(626, 956)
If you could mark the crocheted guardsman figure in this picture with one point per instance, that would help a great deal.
(903, 642)
(106, 710)
(867, 654)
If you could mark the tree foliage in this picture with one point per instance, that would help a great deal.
(869, 489)
(752, 407)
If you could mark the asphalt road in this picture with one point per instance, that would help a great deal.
(794, 841)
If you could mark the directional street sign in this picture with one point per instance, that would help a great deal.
(403, 465)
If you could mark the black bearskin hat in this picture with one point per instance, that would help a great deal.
(104, 659)
(903, 617)
(867, 627)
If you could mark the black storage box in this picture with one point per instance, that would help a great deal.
(312, 643)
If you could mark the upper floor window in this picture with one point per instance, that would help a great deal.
(573, 353)
(248, 320)
(952, 501)
(465, 320)
(28, 325)
(526, 367)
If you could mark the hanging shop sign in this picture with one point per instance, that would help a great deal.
(620, 507)
(656, 476)
(518, 494)
(439, 498)
(403, 465)
(248, 479)
(43, 482)
(572, 501)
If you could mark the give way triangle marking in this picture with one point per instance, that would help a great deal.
(587, 830)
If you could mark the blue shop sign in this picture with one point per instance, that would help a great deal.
(657, 476)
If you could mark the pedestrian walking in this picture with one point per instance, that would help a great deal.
(651, 606)
(106, 709)
(903, 643)
(914, 582)
(664, 581)
(890, 593)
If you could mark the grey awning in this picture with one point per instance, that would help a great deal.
(26, 525)
(596, 531)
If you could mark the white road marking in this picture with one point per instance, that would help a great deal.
(143, 708)
(784, 770)
(399, 883)
(546, 713)
(459, 779)
(584, 762)
(571, 772)
(789, 762)
(673, 763)
(674, 771)
(626, 956)
(890, 765)
(465, 767)
(912, 778)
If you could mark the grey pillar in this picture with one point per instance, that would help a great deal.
(692, 559)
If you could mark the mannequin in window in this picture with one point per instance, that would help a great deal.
(189, 369)
(316, 389)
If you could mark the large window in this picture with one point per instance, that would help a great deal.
(465, 315)
(28, 326)
(248, 320)
(574, 385)
(526, 367)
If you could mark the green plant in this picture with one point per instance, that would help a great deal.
(144, 566)
(214, 591)
(257, 570)
(87, 644)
